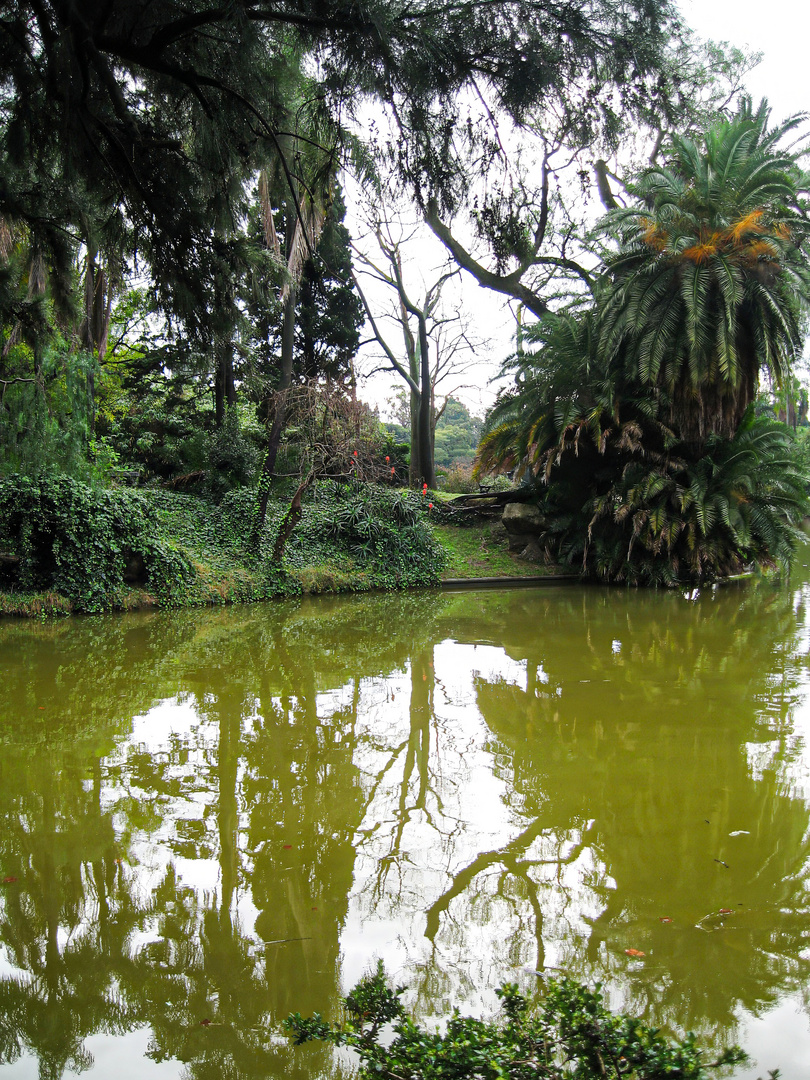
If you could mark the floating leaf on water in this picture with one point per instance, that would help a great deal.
(635, 952)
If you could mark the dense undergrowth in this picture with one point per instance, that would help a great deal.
(66, 546)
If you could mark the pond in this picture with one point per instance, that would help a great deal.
(210, 819)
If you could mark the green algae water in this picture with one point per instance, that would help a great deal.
(212, 819)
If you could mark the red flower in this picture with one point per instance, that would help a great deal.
(355, 453)
(387, 459)
(393, 470)
(430, 506)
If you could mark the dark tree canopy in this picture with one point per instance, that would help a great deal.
(330, 313)
(139, 123)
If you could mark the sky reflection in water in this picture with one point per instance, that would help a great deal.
(214, 818)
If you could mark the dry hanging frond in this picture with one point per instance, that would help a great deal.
(748, 224)
(700, 253)
(653, 236)
(6, 240)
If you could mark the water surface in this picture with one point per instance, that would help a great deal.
(211, 819)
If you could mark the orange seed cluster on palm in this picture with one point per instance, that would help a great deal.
(747, 237)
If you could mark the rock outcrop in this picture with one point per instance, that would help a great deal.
(524, 524)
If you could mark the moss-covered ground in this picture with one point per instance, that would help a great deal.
(481, 550)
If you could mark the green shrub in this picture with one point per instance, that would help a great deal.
(458, 479)
(383, 529)
(228, 456)
(570, 1035)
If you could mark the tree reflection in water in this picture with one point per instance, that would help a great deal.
(465, 785)
(656, 775)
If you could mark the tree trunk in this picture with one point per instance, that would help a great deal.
(219, 397)
(95, 329)
(425, 440)
(290, 520)
(412, 352)
(308, 363)
(274, 438)
(224, 383)
(415, 463)
(86, 334)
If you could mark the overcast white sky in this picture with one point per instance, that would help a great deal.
(777, 28)
(780, 30)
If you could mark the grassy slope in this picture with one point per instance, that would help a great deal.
(481, 550)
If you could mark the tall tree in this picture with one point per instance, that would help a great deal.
(434, 335)
(713, 274)
(161, 111)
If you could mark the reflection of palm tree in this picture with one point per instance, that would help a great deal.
(652, 854)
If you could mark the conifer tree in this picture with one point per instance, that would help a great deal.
(156, 114)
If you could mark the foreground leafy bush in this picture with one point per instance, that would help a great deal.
(571, 1036)
(78, 541)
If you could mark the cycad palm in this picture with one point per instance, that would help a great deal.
(713, 272)
(561, 389)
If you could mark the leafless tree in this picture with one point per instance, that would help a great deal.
(438, 347)
(337, 436)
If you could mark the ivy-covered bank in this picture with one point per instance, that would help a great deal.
(68, 547)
